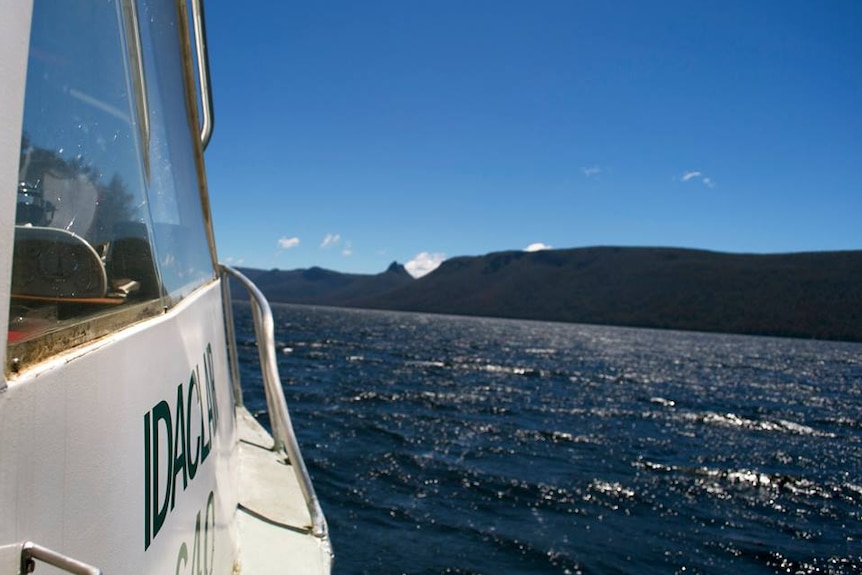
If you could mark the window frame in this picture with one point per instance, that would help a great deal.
(66, 334)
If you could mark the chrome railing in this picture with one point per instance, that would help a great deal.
(31, 552)
(200, 38)
(279, 417)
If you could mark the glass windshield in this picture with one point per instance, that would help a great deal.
(109, 213)
(175, 172)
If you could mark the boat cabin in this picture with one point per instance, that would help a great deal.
(124, 445)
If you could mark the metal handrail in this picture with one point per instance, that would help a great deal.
(279, 417)
(203, 71)
(30, 552)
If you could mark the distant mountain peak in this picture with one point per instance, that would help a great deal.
(397, 268)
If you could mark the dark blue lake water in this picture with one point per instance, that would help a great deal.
(462, 445)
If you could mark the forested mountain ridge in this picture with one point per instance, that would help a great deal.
(812, 295)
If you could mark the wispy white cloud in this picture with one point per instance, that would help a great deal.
(348, 249)
(697, 175)
(537, 247)
(232, 261)
(287, 243)
(424, 263)
(330, 240)
(591, 171)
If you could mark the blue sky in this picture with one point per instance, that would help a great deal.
(352, 134)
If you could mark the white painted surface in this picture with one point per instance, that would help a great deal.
(274, 523)
(72, 471)
(268, 484)
(72, 429)
(14, 46)
(266, 550)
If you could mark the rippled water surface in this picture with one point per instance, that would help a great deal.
(463, 445)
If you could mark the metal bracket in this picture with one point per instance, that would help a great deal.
(30, 553)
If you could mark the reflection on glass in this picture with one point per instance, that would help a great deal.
(82, 244)
(175, 183)
(80, 146)
(109, 210)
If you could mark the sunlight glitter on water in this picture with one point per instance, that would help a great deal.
(619, 451)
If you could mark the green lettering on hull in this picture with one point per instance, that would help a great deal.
(185, 454)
